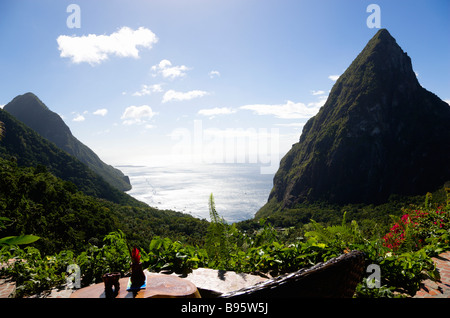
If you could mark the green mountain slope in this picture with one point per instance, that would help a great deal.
(30, 110)
(47, 192)
(379, 133)
(31, 149)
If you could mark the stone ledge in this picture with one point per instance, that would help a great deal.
(212, 282)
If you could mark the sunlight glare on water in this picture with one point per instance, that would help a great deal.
(239, 189)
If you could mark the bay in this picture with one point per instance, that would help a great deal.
(239, 190)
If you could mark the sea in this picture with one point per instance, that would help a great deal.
(239, 189)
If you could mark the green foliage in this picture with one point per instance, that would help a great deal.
(259, 250)
(32, 272)
(173, 256)
(112, 256)
(407, 270)
(15, 240)
(38, 202)
(340, 235)
(249, 248)
(363, 290)
(18, 240)
(217, 238)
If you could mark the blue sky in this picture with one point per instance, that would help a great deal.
(143, 82)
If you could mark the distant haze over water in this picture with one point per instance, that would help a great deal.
(239, 189)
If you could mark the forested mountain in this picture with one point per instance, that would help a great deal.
(30, 110)
(64, 218)
(47, 192)
(31, 150)
(380, 133)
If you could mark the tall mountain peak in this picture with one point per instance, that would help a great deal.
(379, 133)
(31, 100)
(383, 52)
(31, 111)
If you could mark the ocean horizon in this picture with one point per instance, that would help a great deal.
(239, 190)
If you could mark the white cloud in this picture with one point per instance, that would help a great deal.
(213, 74)
(334, 78)
(216, 111)
(79, 118)
(137, 114)
(148, 89)
(445, 100)
(95, 49)
(101, 112)
(1, 106)
(315, 93)
(172, 95)
(285, 111)
(166, 69)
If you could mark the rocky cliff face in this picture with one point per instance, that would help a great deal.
(30, 110)
(379, 133)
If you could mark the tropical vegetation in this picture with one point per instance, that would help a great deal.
(419, 234)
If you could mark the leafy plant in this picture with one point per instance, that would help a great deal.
(363, 290)
(15, 240)
(34, 273)
(407, 270)
(167, 255)
(112, 256)
(340, 236)
(18, 240)
(217, 238)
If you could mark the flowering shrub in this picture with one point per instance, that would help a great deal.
(396, 235)
(413, 229)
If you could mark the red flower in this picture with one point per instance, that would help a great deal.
(135, 255)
